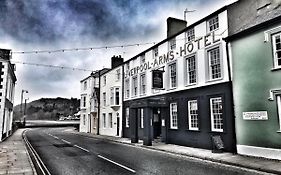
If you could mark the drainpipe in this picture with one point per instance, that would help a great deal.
(98, 118)
(122, 102)
(231, 97)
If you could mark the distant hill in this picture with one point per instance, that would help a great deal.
(48, 108)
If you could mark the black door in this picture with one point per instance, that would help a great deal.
(118, 123)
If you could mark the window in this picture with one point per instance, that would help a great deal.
(104, 98)
(127, 118)
(85, 85)
(110, 124)
(190, 35)
(172, 44)
(142, 84)
(84, 119)
(155, 52)
(118, 74)
(104, 120)
(214, 63)
(173, 116)
(117, 96)
(173, 75)
(279, 110)
(216, 114)
(135, 86)
(277, 50)
(213, 24)
(127, 88)
(192, 115)
(111, 96)
(141, 118)
(104, 80)
(84, 101)
(142, 58)
(191, 70)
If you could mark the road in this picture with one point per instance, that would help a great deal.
(64, 152)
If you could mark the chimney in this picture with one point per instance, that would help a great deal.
(174, 26)
(116, 61)
(5, 54)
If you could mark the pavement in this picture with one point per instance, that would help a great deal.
(14, 158)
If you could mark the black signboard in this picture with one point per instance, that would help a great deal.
(157, 79)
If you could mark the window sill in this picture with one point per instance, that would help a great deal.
(193, 130)
(173, 129)
(276, 69)
(188, 85)
(170, 89)
(214, 80)
(279, 131)
(217, 132)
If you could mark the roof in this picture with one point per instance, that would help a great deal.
(96, 74)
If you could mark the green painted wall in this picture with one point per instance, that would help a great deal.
(252, 79)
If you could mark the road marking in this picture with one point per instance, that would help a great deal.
(65, 141)
(81, 148)
(127, 168)
(55, 137)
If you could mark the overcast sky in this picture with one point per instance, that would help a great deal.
(28, 25)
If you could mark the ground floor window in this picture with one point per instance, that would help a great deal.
(141, 118)
(173, 116)
(110, 120)
(127, 117)
(104, 120)
(84, 119)
(279, 110)
(216, 114)
(193, 115)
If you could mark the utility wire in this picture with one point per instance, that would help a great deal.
(51, 66)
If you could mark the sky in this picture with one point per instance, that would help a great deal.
(48, 25)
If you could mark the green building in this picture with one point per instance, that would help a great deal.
(254, 48)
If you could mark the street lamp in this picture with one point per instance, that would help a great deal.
(22, 91)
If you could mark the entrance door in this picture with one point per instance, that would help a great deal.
(118, 125)
(156, 123)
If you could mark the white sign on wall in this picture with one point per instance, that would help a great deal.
(255, 115)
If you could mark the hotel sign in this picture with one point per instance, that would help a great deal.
(255, 115)
(171, 55)
(157, 79)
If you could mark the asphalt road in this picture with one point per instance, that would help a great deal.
(66, 153)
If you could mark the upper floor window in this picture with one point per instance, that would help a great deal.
(85, 85)
(104, 98)
(127, 88)
(155, 52)
(216, 114)
(190, 34)
(83, 104)
(104, 80)
(112, 96)
(135, 86)
(127, 118)
(173, 116)
(173, 75)
(191, 70)
(117, 96)
(142, 84)
(104, 120)
(277, 50)
(214, 62)
(172, 44)
(142, 59)
(193, 115)
(213, 24)
(118, 74)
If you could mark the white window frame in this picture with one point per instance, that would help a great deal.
(117, 101)
(85, 85)
(173, 116)
(83, 101)
(278, 98)
(112, 96)
(218, 63)
(104, 98)
(127, 117)
(190, 34)
(171, 84)
(110, 120)
(189, 71)
(104, 119)
(172, 44)
(193, 115)
(127, 88)
(141, 117)
(142, 84)
(275, 61)
(118, 74)
(155, 52)
(84, 119)
(134, 86)
(218, 115)
(213, 24)
(142, 59)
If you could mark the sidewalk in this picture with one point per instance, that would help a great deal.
(14, 158)
(260, 164)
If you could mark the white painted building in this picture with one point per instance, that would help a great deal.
(111, 99)
(7, 90)
(89, 103)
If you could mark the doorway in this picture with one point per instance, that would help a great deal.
(118, 125)
(156, 123)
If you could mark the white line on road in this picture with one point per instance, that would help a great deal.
(81, 148)
(55, 137)
(127, 168)
(65, 141)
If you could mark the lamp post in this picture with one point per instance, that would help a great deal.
(24, 111)
(22, 91)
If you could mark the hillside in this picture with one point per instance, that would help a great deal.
(48, 108)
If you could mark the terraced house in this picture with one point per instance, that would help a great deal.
(179, 91)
